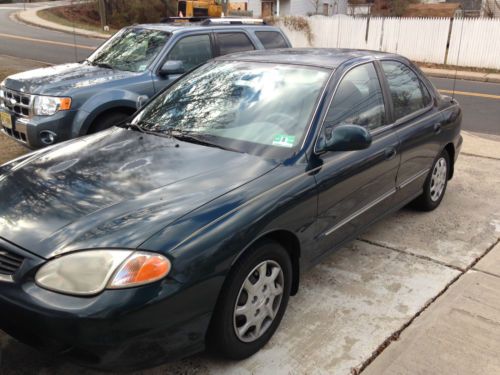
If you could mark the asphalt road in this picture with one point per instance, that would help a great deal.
(480, 100)
(35, 43)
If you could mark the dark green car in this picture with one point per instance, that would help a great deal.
(189, 227)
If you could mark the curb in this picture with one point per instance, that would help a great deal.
(18, 16)
(469, 76)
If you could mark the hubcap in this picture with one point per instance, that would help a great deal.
(258, 301)
(438, 179)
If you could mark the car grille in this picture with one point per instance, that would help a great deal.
(17, 102)
(9, 262)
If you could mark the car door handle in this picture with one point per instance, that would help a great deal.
(437, 127)
(390, 153)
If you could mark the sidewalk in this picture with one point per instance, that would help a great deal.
(458, 334)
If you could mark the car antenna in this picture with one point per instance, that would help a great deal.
(457, 60)
(74, 37)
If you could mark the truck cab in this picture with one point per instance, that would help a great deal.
(45, 106)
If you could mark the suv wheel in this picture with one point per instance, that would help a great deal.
(106, 121)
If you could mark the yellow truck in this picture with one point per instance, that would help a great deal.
(200, 8)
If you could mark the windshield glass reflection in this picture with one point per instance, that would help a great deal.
(247, 107)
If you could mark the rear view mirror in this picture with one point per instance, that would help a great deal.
(172, 67)
(349, 138)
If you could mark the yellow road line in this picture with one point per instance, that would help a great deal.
(46, 41)
(466, 93)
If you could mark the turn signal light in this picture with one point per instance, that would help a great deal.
(141, 268)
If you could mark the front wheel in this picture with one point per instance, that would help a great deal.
(435, 184)
(252, 302)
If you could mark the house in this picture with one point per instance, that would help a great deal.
(449, 10)
(268, 8)
(471, 8)
(490, 8)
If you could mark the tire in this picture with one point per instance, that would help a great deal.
(106, 121)
(223, 339)
(435, 184)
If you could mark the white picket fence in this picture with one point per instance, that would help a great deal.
(420, 39)
(475, 42)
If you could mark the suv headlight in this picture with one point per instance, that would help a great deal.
(90, 272)
(50, 105)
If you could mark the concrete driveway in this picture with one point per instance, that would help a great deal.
(359, 300)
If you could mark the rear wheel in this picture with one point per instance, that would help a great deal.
(107, 120)
(252, 302)
(435, 184)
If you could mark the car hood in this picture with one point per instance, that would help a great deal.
(58, 79)
(113, 189)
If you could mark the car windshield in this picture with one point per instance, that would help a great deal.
(257, 108)
(132, 49)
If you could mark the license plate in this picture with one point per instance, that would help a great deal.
(6, 119)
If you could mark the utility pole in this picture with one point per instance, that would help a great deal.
(102, 13)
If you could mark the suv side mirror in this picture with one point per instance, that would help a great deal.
(172, 67)
(349, 138)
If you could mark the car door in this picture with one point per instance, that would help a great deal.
(232, 41)
(192, 50)
(355, 187)
(416, 123)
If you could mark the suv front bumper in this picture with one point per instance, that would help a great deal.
(29, 130)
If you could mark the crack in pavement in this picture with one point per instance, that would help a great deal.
(479, 156)
(424, 257)
(395, 336)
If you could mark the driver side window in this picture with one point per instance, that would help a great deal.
(357, 101)
(192, 51)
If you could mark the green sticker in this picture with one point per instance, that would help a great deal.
(284, 140)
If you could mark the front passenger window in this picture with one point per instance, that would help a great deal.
(357, 101)
(192, 51)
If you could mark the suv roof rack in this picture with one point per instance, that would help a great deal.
(182, 19)
(233, 21)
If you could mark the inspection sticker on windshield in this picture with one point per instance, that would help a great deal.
(284, 140)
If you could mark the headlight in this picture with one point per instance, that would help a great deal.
(48, 105)
(90, 272)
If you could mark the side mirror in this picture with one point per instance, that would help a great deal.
(172, 67)
(141, 99)
(349, 138)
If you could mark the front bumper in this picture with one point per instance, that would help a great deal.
(28, 130)
(115, 330)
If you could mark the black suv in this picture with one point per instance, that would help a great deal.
(49, 105)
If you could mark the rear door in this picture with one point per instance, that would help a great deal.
(355, 187)
(416, 122)
(232, 41)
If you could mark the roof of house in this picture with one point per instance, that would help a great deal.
(432, 10)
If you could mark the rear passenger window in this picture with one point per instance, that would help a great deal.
(271, 39)
(407, 91)
(234, 42)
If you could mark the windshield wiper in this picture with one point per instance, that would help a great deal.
(186, 136)
(102, 65)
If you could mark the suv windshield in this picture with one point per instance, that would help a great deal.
(258, 108)
(132, 49)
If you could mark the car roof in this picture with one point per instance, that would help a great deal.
(198, 26)
(329, 58)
